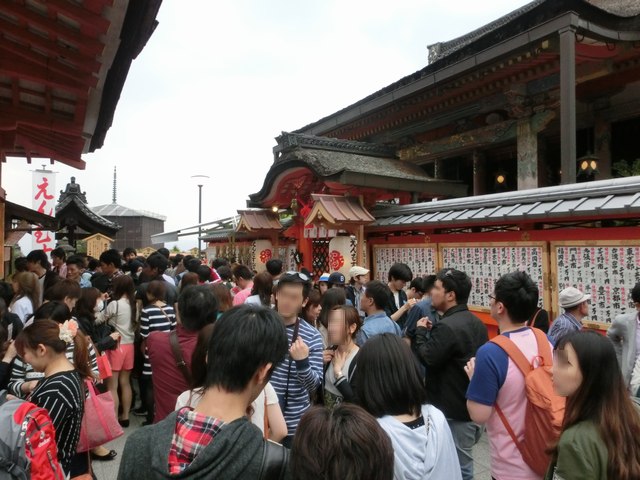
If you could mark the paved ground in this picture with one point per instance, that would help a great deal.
(109, 470)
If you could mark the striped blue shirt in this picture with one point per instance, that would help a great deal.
(305, 376)
(564, 325)
(155, 319)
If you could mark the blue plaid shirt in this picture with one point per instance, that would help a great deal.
(563, 326)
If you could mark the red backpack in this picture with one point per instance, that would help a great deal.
(27, 442)
(545, 409)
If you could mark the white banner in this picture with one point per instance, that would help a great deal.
(44, 201)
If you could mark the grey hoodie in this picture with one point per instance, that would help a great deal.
(428, 452)
(235, 453)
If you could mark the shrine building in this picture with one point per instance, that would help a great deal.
(499, 155)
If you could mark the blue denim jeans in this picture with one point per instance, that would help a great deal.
(465, 436)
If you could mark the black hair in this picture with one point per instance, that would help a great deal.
(355, 446)
(332, 298)
(519, 295)
(56, 311)
(111, 257)
(63, 289)
(59, 253)
(389, 378)
(204, 273)
(38, 256)
(457, 282)
(274, 267)
(378, 292)
(197, 306)
(93, 264)
(164, 252)
(244, 339)
(417, 284)
(635, 293)
(128, 251)
(295, 279)
(192, 265)
(175, 261)
(225, 273)
(157, 262)
(428, 282)
(242, 271)
(20, 264)
(6, 292)
(76, 260)
(400, 271)
(220, 262)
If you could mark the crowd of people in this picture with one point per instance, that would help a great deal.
(279, 374)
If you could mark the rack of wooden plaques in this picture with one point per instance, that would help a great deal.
(485, 263)
(421, 258)
(607, 270)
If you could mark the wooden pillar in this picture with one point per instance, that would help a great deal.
(568, 104)
(275, 245)
(437, 169)
(527, 145)
(479, 173)
(360, 246)
(305, 247)
(602, 144)
(543, 169)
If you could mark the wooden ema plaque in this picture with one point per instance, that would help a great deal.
(607, 270)
(421, 258)
(486, 263)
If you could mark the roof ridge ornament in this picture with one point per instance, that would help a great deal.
(288, 141)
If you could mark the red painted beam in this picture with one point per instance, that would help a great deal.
(85, 62)
(613, 233)
(83, 16)
(84, 43)
(11, 117)
(13, 66)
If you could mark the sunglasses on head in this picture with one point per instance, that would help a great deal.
(300, 275)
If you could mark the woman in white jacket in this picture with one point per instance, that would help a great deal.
(390, 387)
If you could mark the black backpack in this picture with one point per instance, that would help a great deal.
(275, 461)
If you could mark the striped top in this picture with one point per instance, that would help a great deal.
(23, 372)
(155, 319)
(62, 395)
(304, 377)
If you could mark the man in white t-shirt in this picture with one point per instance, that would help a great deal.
(496, 380)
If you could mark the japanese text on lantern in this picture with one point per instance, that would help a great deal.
(44, 201)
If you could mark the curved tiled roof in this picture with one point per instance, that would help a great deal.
(446, 53)
(115, 210)
(72, 202)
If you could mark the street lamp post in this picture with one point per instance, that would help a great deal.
(200, 179)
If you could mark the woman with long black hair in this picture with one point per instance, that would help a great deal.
(601, 430)
(43, 345)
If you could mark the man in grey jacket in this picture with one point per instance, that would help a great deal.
(216, 440)
(624, 332)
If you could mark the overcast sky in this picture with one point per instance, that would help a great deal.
(219, 80)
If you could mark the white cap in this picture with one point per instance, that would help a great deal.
(571, 297)
(356, 271)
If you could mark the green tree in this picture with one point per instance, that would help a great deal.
(626, 169)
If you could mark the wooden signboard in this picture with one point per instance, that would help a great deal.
(421, 258)
(485, 263)
(607, 270)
